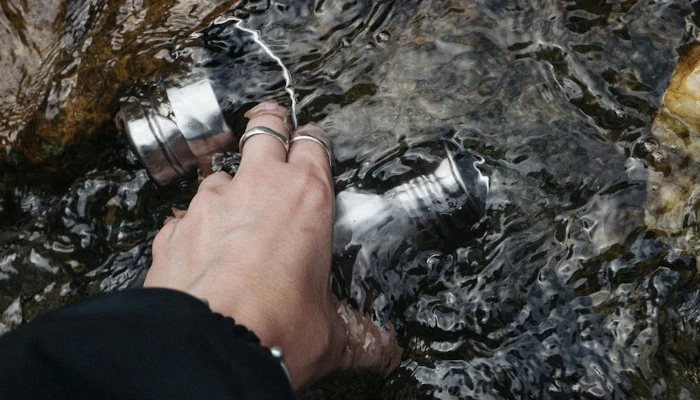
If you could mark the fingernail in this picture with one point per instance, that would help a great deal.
(268, 108)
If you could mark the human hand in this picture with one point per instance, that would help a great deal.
(258, 248)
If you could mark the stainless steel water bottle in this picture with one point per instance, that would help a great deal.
(455, 186)
(433, 211)
(175, 134)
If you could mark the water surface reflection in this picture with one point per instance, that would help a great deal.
(560, 291)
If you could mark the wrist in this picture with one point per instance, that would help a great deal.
(314, 343)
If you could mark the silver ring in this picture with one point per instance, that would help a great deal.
(305, 136)
(262, 130)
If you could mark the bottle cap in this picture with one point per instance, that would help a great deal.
(172, 137)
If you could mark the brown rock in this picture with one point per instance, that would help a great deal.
(673, 188)
(682, 98)
(65, 83)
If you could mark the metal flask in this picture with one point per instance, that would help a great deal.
(441, 204)
(435, 211)
(174, 134)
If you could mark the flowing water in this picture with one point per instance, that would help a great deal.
(560, 289)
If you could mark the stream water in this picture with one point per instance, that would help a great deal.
(559, 291)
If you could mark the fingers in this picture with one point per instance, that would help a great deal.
(306, 149)
(264, 148)
(370, 347)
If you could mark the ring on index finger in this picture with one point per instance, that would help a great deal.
(262, 130)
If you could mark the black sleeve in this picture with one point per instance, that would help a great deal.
(138, 344)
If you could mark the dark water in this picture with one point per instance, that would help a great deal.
(560, 290)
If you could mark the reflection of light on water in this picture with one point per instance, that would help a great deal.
(539, 297)
(481, 179)
(285, 71)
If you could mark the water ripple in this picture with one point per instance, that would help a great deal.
(549, 283)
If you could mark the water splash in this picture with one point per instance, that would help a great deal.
(285, 71)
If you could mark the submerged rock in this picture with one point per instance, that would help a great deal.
(673, 154)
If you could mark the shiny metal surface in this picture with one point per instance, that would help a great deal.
(319, 142)
(157, 142)
(262, 130)
(173, 137)
(455, 186)
(457, 182)
(199, 118)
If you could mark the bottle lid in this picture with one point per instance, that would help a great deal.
(172, 137)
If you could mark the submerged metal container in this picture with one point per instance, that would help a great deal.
(438, 206)
(174, 136)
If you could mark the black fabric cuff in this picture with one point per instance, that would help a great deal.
(138, 344)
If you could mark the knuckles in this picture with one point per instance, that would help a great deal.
(314, 186)
(285, 179)
(216, 181)
(161, 241)
(207, 201)
(304, 188)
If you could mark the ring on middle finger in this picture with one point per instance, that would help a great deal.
(306, 136)
(262, 130)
